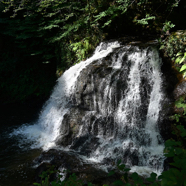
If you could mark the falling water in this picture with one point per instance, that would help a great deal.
(120, 99)
(46, 130)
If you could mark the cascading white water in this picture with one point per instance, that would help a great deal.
(135, 136)
(121, 108)
(46, 130)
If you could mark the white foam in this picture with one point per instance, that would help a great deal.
(144, 170)
(112, 144)
(47, 128)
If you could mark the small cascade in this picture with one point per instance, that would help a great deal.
(106, 108)
(44, 132)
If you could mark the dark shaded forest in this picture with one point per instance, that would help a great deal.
(42, 38)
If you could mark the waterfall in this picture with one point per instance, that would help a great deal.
(106, 108)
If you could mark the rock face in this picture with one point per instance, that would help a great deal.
(68, 163)
(71, 126)
(175, 47)
(169, 85)
(180, 89)
(117, 108)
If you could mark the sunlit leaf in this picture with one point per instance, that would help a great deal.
(183, 68)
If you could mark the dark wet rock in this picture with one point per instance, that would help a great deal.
(170, 77)
(73, 164)
(70, 126)
(100, 87)
(85, 144)
(59, 158)
(43, 167)
(180, 90)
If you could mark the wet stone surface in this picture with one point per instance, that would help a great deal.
(72, 164)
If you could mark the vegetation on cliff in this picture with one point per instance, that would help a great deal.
(39, 38)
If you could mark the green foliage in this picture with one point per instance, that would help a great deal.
(133, 179)
(126, 179)
(167, 26)
(61, 33)
(145, 20)
(71, 181)
(24, 72)
(174, 47)
(83, 47)
(181, 59)
(176, 150)
(175, 117)
(180, 103)
(45, 176)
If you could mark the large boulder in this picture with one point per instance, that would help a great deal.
(68, 163)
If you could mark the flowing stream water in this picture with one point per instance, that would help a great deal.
(16, 161)
(121, 109)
